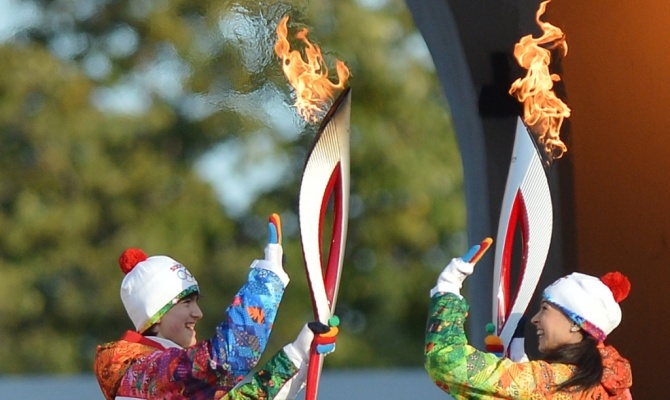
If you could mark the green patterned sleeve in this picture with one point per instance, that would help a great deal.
(458, 368)
(267, 382)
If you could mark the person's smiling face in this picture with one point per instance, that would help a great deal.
(554, 328)
(178, 324)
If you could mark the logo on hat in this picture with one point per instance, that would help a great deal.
(152, 285)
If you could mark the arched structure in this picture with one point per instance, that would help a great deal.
(610, 192)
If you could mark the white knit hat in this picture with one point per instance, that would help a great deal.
(152, 285)
(590, 302)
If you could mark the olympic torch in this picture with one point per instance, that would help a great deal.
(326, 173)
(325, 177)
(527, 199)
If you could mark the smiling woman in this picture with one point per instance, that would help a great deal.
(577, 314)
(161, 298)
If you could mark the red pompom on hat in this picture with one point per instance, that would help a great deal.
(130, 258)
(618, 283)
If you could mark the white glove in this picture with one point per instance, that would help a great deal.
(517, 347)
(517, 351)
(274, 252)
(452, 277)
(298, 351)
(273, 262)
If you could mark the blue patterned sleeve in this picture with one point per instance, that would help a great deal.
(241, 338)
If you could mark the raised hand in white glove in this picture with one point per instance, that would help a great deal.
(452, 276)
(274, 252)
(298, 350)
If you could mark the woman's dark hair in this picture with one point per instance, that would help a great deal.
(586, 357)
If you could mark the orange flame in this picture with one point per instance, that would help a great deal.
(543, 110)
(314, 91)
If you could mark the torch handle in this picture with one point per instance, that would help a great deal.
(313, 373)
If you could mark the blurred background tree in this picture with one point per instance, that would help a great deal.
(168, 125)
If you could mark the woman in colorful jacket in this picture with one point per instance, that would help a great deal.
(162, 359)
(576, 315)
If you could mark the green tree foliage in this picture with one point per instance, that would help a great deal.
(106, 109)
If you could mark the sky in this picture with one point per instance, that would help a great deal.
(15, 14)
(235, 187)
(236, 181)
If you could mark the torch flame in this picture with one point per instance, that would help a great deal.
(314, 91)
(543, 110)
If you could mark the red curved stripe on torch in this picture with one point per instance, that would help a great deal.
(331, 273)
(519, 213)
(331, 269)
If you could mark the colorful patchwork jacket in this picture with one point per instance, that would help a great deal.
(466, 373)
(138, 367)
(279, 379)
